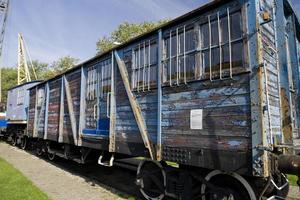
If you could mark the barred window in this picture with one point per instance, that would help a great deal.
(20, 96)
(221, 44)
(210, 48)
(91, 83)
(179, 55)
(105, 78)
(144, 66)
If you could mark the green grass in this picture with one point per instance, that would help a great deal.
(15, 186)
(292, 179)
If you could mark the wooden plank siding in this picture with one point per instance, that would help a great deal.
(269, 56)
(53, 109)
(31, 112)
(74, 80)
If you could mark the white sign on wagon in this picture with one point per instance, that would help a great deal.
(196, 119)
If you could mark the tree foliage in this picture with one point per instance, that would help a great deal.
(125, 32)
(63, 64)
(8, 80)
(43, 71)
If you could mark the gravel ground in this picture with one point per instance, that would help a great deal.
(58, 183)
(64, 180)
(294, 193)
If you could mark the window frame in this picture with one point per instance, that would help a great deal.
(20, 96)
(198, 65)
(91, 82)
(147, 67)
(167, 55)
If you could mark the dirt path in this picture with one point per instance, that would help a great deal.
(57, 183)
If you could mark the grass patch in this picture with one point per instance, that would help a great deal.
(292, 179)
(15, 186)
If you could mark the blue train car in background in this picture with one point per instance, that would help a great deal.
(17, 112)
(3, 123)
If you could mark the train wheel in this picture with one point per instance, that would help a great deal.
(151, 180)
(236, 187)
(39, 148)
(51, 156)
(14, 140)
(24, 143)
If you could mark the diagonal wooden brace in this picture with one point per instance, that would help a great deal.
(71, 110)
(135, 107)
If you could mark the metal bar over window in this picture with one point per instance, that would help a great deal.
(138, 69)
(210, 50)
(220, 45)
(229, 38)
(184, 56)
(177, 60)
(102, 71)
(88, 85)
(133, 81)
(170, 59)
(144, 66)
(149, 64)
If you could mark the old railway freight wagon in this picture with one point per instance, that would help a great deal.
(215, 91)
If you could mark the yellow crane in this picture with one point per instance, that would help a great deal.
(24, 74)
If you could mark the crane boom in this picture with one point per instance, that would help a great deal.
(24, 74)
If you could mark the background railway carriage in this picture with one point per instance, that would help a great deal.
(17, 112)
(215, 90)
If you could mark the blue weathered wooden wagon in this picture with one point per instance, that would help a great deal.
(215, 91)
(17, 112)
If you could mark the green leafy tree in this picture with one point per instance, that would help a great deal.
(41, 69)
(63, 64)
(9, 79)
(125, 32)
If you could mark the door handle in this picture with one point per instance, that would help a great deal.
(95, 112)
(108, 104)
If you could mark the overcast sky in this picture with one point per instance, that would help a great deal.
(57, 28)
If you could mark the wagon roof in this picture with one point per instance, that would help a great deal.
(34, 81)
(201, 9)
